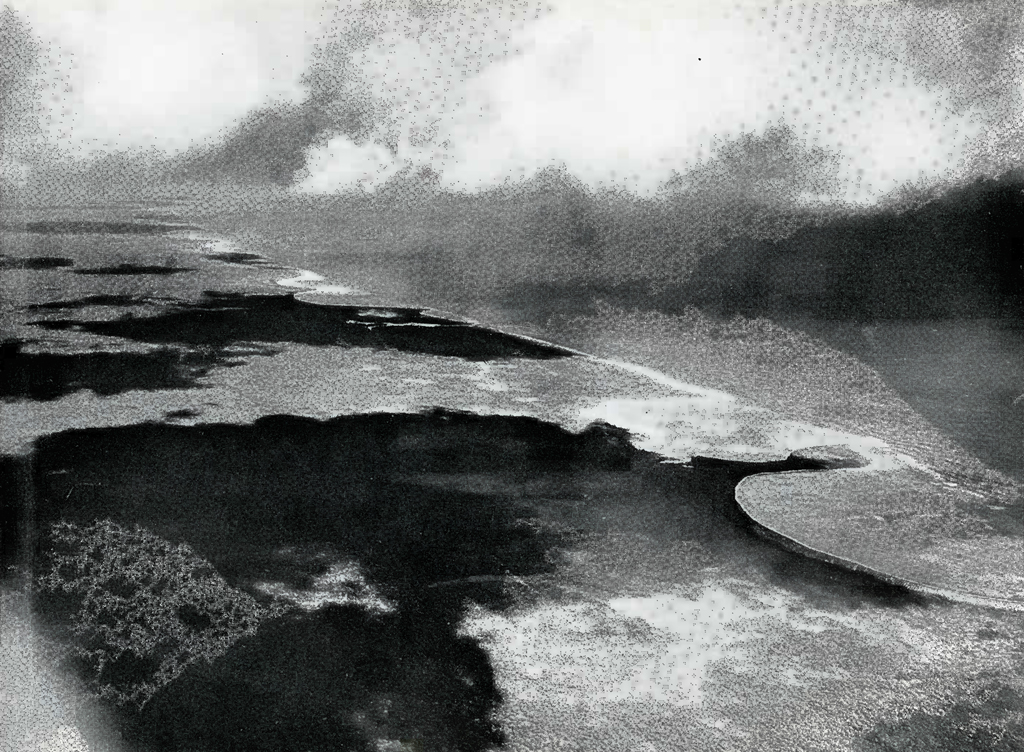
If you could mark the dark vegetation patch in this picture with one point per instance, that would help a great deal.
(188, 517)
(89, 301)
(34, 263)
(244, 259)
(133, 269)
(141, 609)
(225, 319)
(49, 376)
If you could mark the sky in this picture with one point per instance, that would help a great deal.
(169, 73)
(621, 93)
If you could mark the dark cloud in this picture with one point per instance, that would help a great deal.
(773, 167)
(19, 62)
(974, 49)
(269, 145)
(364, 81)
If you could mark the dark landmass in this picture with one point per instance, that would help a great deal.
(224, 319)
(37, 263)
(133, 269)
(245, 259)
(49, 376)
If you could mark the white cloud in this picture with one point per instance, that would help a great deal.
(619, 92)
(341, 163)
(624, 98)
(168, 73)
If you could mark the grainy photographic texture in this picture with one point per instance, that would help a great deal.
(427, 375)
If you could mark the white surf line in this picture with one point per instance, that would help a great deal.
(218, 245)
(305, 279)
(307, 282)
(334, 290)
(665, 380)
(869, 447)
(302, 280)
(214, 241)
(948, 594)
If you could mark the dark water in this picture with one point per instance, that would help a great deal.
(966, 377)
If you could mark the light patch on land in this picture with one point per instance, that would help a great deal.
(343, 583)
(649, 649)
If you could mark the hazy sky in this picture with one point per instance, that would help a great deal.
(620, 92)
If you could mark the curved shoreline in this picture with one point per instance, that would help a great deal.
(304, 283)
(792, 544)
(762, 529)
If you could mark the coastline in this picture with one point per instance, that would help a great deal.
(503, 495)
